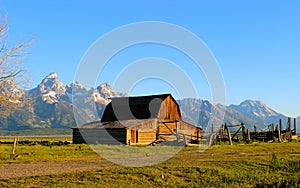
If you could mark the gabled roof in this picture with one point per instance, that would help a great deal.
(127, 108)
(122, 124)
(113, 124)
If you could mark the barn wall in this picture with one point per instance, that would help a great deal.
(128, 136)
(167, 130)
(77, 138)
(146, 136)
(188, 129)
(135, 137)
(99, 136)
(144, 133)
(169, 109)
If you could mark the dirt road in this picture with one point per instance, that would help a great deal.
(15, 170)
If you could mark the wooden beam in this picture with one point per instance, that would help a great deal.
(211, 134)
(248, 135)
(228, 132)
(169, 121)
(176, 132)
(280, 125)
(289, 129)
(279, 136)
(244, 131)
(12, 156)
(233, 125)
(295, 126)
(169, 128)
(221, 134)
(236, 132)
(157, 130)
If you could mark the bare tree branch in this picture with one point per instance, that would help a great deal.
(12, 75)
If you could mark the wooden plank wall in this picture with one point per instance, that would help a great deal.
(146, 137)
(169, 109)
(186, 128)
(146, 133)
(151, 124)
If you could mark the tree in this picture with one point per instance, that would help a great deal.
(13, 77)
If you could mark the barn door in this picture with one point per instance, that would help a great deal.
(137, 136)
(133, 136)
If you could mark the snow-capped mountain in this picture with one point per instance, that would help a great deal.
(50, 89)
(258, 111)
(54, 102)
(205, 113)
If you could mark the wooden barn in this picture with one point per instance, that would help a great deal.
(138, 120)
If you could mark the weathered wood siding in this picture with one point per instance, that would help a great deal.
(146, 136)
(144, 133)
(167, 130)
(169, 109)
(188, 129)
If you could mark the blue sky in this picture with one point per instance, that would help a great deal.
(256, 43)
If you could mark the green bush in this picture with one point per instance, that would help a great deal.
(275, 161)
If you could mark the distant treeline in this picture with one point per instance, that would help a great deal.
(38, 132)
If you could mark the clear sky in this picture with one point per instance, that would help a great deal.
(256, 43)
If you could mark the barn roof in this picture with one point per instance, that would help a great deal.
(113, 124)
(122, 124)
(128, 108)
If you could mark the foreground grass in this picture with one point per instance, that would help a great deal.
(254, 165)
(40, 153)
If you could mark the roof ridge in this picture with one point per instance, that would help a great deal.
(155, 95)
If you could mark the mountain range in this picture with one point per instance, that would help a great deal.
(53, 108)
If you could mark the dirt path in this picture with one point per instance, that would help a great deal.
(15, 170)
(45, 168)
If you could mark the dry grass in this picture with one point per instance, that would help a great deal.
(253, 165)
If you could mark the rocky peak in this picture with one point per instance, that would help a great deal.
(77, 87)
(106, 91)
(51, 83)
(252, 103)
(52, 75)
(258, 111)
(258, 108)
(50, 89)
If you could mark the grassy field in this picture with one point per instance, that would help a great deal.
(249, 165)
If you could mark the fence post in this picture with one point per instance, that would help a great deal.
(295, 126)
(228, 132)
(248, 135)
(244, 132)
(211, 135)
(290, 129)
(279, 135)
(280, 124)
(13, 148)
